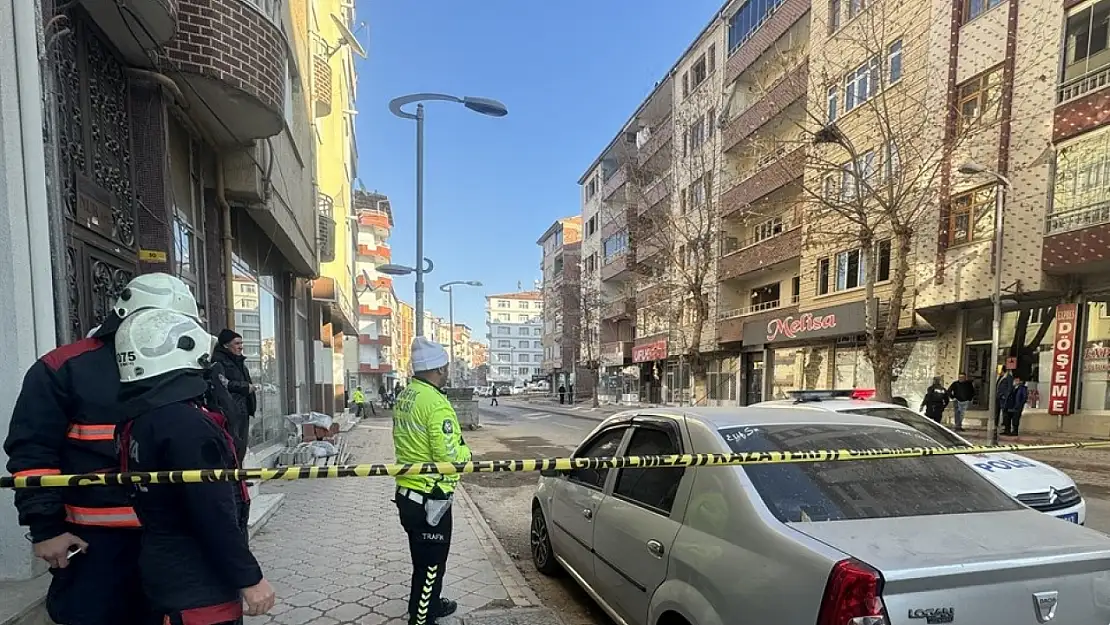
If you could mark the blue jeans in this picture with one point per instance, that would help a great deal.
(961, 408)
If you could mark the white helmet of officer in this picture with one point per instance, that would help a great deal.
(153, 342)
(156, 290)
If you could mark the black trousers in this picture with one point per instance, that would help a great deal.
(1011, 419)
(493, 401)
(102, 585)
(428, 548)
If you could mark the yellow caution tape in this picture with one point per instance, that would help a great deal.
(195, 476)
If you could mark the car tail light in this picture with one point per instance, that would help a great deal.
(863, 393)
(853, 596)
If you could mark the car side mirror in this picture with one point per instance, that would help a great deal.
(551, 473)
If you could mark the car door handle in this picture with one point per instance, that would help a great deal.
(589, 514)
(655, 547)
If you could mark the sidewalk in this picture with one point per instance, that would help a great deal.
(336, 553)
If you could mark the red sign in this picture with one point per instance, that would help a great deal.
(1063, 356)
(1011, 363)
(655, 350)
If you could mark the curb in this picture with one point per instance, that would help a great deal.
(520, 593)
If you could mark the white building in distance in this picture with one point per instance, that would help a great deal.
(515, 322)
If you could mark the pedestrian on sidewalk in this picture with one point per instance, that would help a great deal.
(237, 378)
(194, 561)
(426, 429)
(358, 399)
(562, 394)
(1015, 405)
(936, 400)
(962, 391)
(493, 396)
(63, 422)
(383, 396)
(1005, 388)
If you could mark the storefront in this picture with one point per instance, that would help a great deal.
(824, 349)
(651, 358)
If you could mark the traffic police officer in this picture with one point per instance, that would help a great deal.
(425, 429)
(64, 422)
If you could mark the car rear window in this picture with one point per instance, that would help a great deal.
(862, 489)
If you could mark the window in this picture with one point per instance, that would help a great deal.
(861, 84)
(827, 491)
(721, 379)
(522, 370)
(767, 229)
(695, 135)
(504, 330)
(524, 344)
(926, 426)
(979, 98)
(747, 20)
(1085, 44)
(506, 371)
(892, 162)
(866, 172)
(605, 445)
(845, 270)
(591, 226)
(830, 112)
(834, 16)
(537, 357)
(536, 345)
(654, 489)
(504, 343)
(1082, 176)
(523, 318)
(523, 332)
(591, 188)
(854, 7)
(591, 262)
(966, 221)
(894, 62)
(503, 358)
(698, 72)
(501, 303)
(614, 246)
(535, 370)
(711, 58)
(537, 331)
(975, 8)
(524, 305)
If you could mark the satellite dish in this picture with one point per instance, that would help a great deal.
(348, 37)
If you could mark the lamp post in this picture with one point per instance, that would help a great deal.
(485, 106)
(972, 169)
(448, 287)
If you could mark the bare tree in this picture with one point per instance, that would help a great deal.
(589, 346)
(674, 231)
(884, 128)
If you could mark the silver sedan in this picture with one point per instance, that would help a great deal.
(874, 542)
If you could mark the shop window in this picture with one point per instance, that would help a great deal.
(979, 98)
(799, 368)
(971, 216)
(721, 379)
(1095, 376)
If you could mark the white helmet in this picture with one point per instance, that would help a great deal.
(156, 290)
(152, 342)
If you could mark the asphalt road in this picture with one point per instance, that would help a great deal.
(530, 432)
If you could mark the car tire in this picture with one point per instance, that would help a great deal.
(543, 557)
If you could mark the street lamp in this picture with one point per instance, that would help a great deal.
(448, 288)
(485, 106)
(972, 169)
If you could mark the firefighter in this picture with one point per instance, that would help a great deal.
(64, 422)
(195, 563)
(425, 429)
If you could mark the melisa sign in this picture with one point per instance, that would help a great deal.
(1063, 356)
(832, 321)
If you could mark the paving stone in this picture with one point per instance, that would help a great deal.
(306, 598)
(349, 595)
(393, 608)
(297, 616)
(347, 612)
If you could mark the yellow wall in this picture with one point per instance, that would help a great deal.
(404, 332)
(335, 138)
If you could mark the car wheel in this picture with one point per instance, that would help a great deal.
(543, 558)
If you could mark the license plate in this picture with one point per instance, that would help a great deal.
(1071, 518)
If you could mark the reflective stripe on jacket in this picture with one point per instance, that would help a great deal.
(425, 429)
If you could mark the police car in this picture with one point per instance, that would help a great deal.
(1032, 483)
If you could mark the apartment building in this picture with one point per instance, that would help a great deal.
(157, 157)
(479, 354)
(404, 325)
(333, 86)
(515, 332)
(561, 246)
(378, 336)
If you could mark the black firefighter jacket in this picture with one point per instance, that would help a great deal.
(194, 555)
(64, 422)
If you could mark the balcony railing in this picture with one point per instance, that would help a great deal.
(732, 245)
(756, 308)
(374, 218)
(1078, 87)
(1078, 218)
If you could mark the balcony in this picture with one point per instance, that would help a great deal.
(616, 353)
(656, 191)
(752, 255)
(763, 38)
(1084, 105)
(1077, 241)
(366, 339)
(786, 92)
(620, 309)
(647, 250)
(730, 326)
(134, 26)
(380, 311)
(321, 77)
(369, 368)
(233, 54)
(330, 292)
(379, 284)
(379, 254)
(771, 173)
(615, 266)
(661, 135)
(379, 220)
(614, 182)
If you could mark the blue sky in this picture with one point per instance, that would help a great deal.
(571, 72)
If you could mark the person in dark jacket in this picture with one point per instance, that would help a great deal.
(196, 566)
(962, 391)
(63, 422)
(935, 401)
(229, 361)
(1015, 405)
(1005, 389)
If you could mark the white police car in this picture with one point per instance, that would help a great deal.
(1033, 483)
